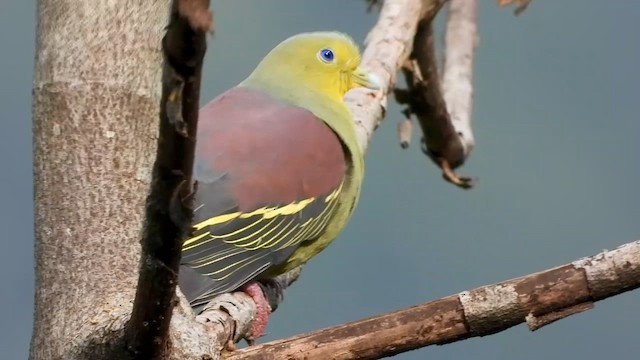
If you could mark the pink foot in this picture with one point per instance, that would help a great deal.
(263, 310)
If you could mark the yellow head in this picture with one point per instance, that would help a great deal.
(324, 63)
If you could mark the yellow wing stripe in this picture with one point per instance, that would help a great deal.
(311, 226)
(222, 236)
(261, 241)
(216, 257)
(256, 238)
(238, 265)
(193, 242)
(207, 296)
(208, 258)
(194, 239)
(264, 213)
(281, 225)
(275, 239)
(247, 250)
(313, 223)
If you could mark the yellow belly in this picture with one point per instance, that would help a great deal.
(306, 250)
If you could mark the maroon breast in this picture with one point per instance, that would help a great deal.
(253, 150)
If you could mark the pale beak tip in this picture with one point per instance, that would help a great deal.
(373, 81)
(367, 79)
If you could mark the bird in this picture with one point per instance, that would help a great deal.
(278, 170)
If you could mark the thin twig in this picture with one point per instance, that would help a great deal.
(521, 5)
(537, 299)
(405, 129)
(374, 5)
(169, 209)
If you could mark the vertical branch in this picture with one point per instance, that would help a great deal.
(461, 38)
(442, 108)
(169, 203)
(425, 101)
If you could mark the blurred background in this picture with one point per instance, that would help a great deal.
(557, 131)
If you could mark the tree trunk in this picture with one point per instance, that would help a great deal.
(96, 94)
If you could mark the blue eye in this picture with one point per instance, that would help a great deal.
(326, 55)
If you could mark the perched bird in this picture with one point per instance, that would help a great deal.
(278, 169)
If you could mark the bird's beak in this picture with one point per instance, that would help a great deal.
(363, 78)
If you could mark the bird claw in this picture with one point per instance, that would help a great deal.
(449, 175)
(209, 317)
(231, 346)
(263, 310)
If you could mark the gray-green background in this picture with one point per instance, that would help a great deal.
(556, 120)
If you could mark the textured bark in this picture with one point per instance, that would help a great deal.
(94, 120)
(537, 299)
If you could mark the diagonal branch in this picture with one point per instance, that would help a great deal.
(168, 207)
(537, 299)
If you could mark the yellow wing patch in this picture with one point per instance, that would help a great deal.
(230, 249)
(275, 228)
(266, 212)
